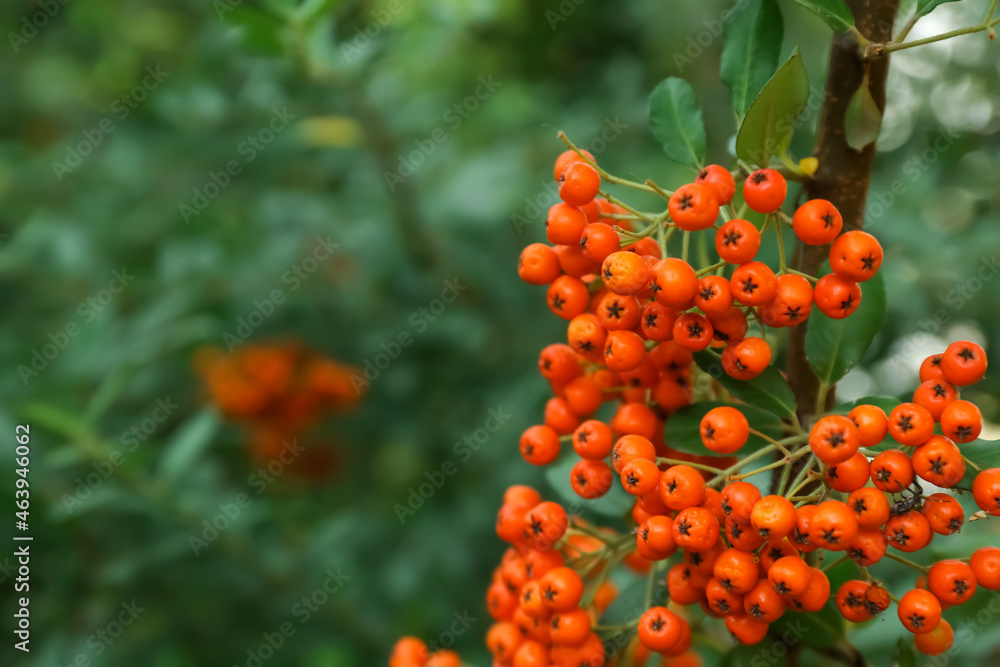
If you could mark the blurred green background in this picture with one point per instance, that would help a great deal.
(201, 150)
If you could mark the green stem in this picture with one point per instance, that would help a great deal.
(802, 500)
(709, 269)
(769, 466)
(697, 466)
(603, 174)
(908, 563)
(837, 562)
(771, 440)
(808, 277)
(824, 390)
(803, 478)
(873, 51)
(651, 584)
(972, 465)
(783, 484)
(782, 263)
(666, 194)
(685, 245)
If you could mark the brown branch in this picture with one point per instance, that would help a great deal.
(843, 178)
(844, 173)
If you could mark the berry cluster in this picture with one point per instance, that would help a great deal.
(276, 391)
(413, 652)
(551, 589)
(704, 535)
(623, 295)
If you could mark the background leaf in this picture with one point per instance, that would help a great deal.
(925, 7)
(822, 629)
(767, 391)
(836, 13)
(188, 444)
(683, 429)
(905, 655)
(770, 121)
(677, 123)
(833, 347)
(751, 52)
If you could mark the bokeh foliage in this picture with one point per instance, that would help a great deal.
(362, 106)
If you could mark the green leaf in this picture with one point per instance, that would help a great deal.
(836, 13)
(753, 656)
(188, 444)
(905, 657)
(750, 56)
(615, 503)
(833, 347)
(985, 454)
(863, 119)
(683, 429)
(767, 391)
(822, 629)
(770, 121)
(260, 30)
(56, 420)
(925, 7)
(677, 123)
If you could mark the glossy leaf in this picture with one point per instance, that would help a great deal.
(834, 347)
(683, 429)
(769, 124)
(822, 629)
(863, 120)
(767, 391)
(677, 123)
(925, 7)
(835, 13)
(751, 52)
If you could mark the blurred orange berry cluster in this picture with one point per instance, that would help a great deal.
(278, 390)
